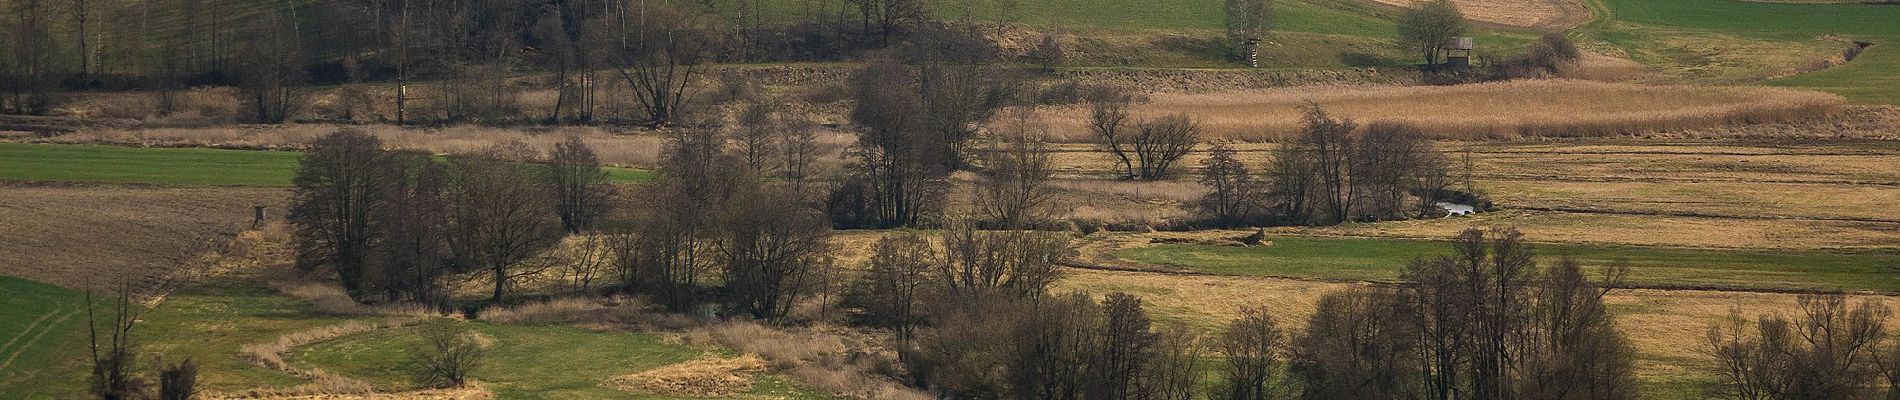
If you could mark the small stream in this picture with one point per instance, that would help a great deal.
(1455, 209)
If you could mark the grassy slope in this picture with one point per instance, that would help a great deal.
(1646, 26)
(527, 362)
(1145, 33)
(212, 322)
(168, 166)
(42, 333)
(1382, 259)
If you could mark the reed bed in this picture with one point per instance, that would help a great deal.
(1499, 110)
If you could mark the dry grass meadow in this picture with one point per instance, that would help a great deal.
(1763, 194)
(1667, 327)
(1501, 110)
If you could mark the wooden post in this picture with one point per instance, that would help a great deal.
(1253, 53)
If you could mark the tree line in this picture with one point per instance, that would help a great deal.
(601, 54)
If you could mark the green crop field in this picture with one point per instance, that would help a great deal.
(156, 166)
(1734, 32)
(1382, 260)
(169, 166)
(41, 329)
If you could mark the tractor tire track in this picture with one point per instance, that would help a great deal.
(35, 339)
(29, 328)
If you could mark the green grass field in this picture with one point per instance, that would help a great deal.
(1382, 260)
(525, 362)
(170, 166)
(1307, 34)
(211, 322)
(1734, 32)
(42, 330)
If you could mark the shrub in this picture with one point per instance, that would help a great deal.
(1828, 351)
(445, 357)
(178, 381)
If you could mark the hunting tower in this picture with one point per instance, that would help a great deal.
(1458, 52)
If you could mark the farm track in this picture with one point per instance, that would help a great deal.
(21, 349)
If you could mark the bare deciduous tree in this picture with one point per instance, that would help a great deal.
(890, 292)
(1014, 185)
(1233, 197)
(1018, 263)
(1253, 346)
(676, 251)
(774, 252)
(1147, 149)
(1329, 174)
(335, 202)
(1175, 373)
(579, 184)
(1123, 352)
(498, 216)
(660, 57)
(758, 137)
(893, 181)
(411, 233)
(445, 357)
(272, 72)
(112, 365)
(1828, 350)
(1359, 344)
(1429, 28)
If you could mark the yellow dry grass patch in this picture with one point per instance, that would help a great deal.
(1201, 301)
(1668, 328)
(1528, 108)
(474, 390)
(1541, 14)
(704, 377)
(1734, 199)
(1720, 194)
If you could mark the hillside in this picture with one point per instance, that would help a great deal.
(1733, 41)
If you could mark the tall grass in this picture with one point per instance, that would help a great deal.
(271, 356)
(1500, 110)
(844, 364)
